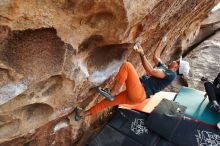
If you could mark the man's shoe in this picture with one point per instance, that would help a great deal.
(106, 92)
(204, 79)
(217, 107)
(78, 110)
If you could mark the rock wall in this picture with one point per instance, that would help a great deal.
(206, 55)
(53, 54)
(202, 54)
(205, 62)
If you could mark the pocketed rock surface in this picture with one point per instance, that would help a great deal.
(54, 53)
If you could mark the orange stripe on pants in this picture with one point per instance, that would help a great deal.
(133, 94)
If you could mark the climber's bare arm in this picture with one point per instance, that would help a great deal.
(147, 66)
(158, 51)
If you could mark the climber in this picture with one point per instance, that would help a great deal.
(213, 91)
(137, 89)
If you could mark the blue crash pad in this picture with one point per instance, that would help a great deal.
(198, 107)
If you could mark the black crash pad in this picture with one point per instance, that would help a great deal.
(171, 124)
(127, 129)
(165, 118)
(111, 137)
(131, 123)
(194, 133)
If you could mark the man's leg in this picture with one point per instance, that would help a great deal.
(210, 90)
(128, 75)
(134, 93)
(117, 86)
(217, 94)
(121, 98)
(212, 93)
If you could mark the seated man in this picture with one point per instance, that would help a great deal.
(213, 92)
(137, 89)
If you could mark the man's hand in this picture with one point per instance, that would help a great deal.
(137, 48)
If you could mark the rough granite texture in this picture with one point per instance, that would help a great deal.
(54, 53)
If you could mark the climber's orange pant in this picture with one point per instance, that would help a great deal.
(133, 94)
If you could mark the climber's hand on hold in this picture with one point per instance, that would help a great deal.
(137, 48)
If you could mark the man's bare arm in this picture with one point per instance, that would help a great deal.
(158, 51)
(148, 67)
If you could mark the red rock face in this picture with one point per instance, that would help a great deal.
(35, 53)
(54, 53)
(45, 135)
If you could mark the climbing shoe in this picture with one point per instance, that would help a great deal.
(106, 92)
(78, 110)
